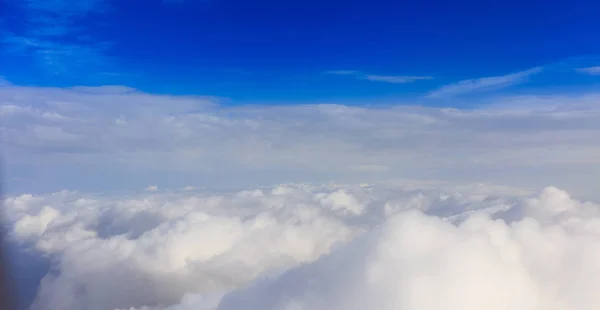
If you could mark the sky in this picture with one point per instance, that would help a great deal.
(309, 155)
(280, 52)
(103, 95)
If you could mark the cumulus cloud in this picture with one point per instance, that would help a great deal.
(421, 262)
(483, 84)
(129, 139)
(400, 245)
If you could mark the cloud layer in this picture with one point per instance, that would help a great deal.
(407, 245)
(545, 258)
(384, 246)
(129, 139)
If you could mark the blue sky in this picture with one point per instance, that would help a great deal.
(222, 93)
(289, 52)
(164, 96)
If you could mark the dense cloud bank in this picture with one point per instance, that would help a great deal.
(55, 138)
(306, 247)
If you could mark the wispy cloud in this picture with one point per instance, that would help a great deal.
(590, 70)
(394, 79)
(4, 81)
(484, 84)
(343, 72)
(52, 35)
(66, 8)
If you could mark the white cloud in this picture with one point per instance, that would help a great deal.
(484, 84)
(399, 245)
(57, 138)
(418, 262)
(395, 79)
(152, 188)
(590, 70)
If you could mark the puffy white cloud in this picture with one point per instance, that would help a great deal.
(386, 246)
(35, 225)
(129, 139)
(153, 248)
(415, 261)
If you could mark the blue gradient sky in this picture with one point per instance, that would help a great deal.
(305, 51)
(268, 86)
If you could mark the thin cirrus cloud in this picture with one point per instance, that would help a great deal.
(595, 70)
(393, 79)
(484, 84)
(53, 37)
(3, 81)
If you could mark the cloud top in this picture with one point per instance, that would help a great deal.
(419, 262)
(386, 246)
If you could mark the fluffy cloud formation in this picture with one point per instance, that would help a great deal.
(419, 262)
(384, 246)
(130, 139)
